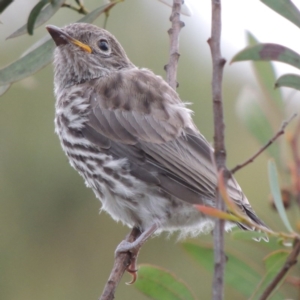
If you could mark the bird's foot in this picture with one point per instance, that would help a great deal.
(133, 248)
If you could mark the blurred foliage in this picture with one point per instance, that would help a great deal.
(53, 244)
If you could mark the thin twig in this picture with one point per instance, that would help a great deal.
(290, 261)
(269, 143)
(122, 261)
(220, 152)
(81, 9)
(171, 67)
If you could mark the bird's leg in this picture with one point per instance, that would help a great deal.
(134, 248)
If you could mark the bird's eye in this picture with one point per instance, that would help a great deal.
(103, 45)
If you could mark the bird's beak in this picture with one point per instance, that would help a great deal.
(62, 38)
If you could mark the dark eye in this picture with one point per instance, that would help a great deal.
(103, 45)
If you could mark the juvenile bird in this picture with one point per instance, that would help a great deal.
(131, 138)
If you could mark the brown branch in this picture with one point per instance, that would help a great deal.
(171, 67)
(122, 261)
(220, 152)
(81, 9)
(262, 149)
(290, 261)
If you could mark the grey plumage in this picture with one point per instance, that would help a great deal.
(126, 131)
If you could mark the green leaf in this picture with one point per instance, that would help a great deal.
(265, 74)
(4, 88)
(34, 14)
(276, 193)
(273, 263)
(255, 120)
(289, 80)
(41, 55)
(46, 13)
(238, 274)
(247, 235)
(158, 283)
(285, 8)
(4, 4)
(269, 52)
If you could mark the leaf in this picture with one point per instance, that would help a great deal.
(4, 4)
(289, 80)
(238, 274)
(285, 8)
(265, 74)
(34, 14)
(46, 13)
(276, 193)
(216, 213)
(273, 263)
(255, 120)
(158, 283)
(269, 52)
(4, 89)
(42, 55)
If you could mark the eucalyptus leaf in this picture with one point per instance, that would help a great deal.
(276, 193)
(34, 14)
(157, 283)
(273, 264)
(4, 88)
(268, 52)
(255, 120)
(42, 55)
(285, 8)
(266, 76)
(289, 80)
(4, 4)
(46, 13)
(238, 274)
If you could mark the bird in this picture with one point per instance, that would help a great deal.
(132, 139)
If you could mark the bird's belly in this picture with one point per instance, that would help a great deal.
(135, 203)
(127, 198)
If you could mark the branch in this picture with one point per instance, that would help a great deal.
(122, 261)
(81, 9)
(220, 152)
(269, 143)
(290, 261)
(171, 67)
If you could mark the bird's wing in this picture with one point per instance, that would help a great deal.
(135, 114)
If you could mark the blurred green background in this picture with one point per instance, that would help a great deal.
(53, 242)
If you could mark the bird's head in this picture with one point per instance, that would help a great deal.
(85, 52)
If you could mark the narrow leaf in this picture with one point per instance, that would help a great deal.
(238, 274)
(289, 80)
(4, 88)
(42, 55)
(285, 8)
(4, 4)
(269, 52)
(273, 264)
(266, 76)
(275, 190)
(46, 13)
(158, 283)
(34, 14)
(255, 120)
(213, 212)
